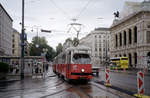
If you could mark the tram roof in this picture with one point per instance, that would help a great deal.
(78, 48)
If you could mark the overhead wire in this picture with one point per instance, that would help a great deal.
(84, 8)
(60, 9)
(31, 1)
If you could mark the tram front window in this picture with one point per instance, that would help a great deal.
(81, 58)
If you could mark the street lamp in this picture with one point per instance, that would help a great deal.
(22, 43)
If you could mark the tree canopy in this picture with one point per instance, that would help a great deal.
(42, 44)
(59, 48)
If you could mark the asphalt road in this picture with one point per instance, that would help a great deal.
(125, 81)
(54, 87)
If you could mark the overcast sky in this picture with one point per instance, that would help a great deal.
(56, 15)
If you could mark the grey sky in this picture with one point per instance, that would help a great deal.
(57, 14)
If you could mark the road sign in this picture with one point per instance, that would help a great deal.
(47, 31)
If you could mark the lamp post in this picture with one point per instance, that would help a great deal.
(106, 49)
(22, 43)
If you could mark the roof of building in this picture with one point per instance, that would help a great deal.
(144, 7)
(15, 31)
(102, 28)
(6, 12)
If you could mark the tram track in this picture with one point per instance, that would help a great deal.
(55, 93)
(83, 91)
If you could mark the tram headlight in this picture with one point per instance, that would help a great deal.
(82, 70)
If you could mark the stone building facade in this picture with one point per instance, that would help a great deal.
(98, 41)
(6, 32)
(130, 37)
(16, 51)
(27, 48)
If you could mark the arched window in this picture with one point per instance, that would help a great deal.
(130, 36)
(130, 60)
(148, 56)
(135, 34)
(120, 39)
(116, 40)
(135, 58)
(125, 38)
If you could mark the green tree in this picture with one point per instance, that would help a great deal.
(68, 40)
(71, 42)
(42, 43)
(59, 48)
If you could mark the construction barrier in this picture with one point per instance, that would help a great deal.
(140, 85)
(140, 82)
(107, 77)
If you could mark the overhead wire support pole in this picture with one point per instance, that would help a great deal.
(22, 43)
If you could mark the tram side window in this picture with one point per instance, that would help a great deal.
(59, 60)
(63, 58)
(68, 58)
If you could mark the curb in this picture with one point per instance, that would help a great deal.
(147, 74)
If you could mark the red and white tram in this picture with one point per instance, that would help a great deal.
(74, 64)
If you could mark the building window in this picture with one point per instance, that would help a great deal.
(148, 26)
(13, 51)
(130, 60)
(99, 49)
(13, 46)
(130, 36)
(116, 40)
(103, 49)
(124, 55)
(135, 34)
(135, 59)
(125, 38)
(95, 49)
(120, 39)
(95, 36)
(148, 36)
(148, 56)
(99, 36)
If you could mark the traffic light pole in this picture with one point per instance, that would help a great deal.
(22, 43)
